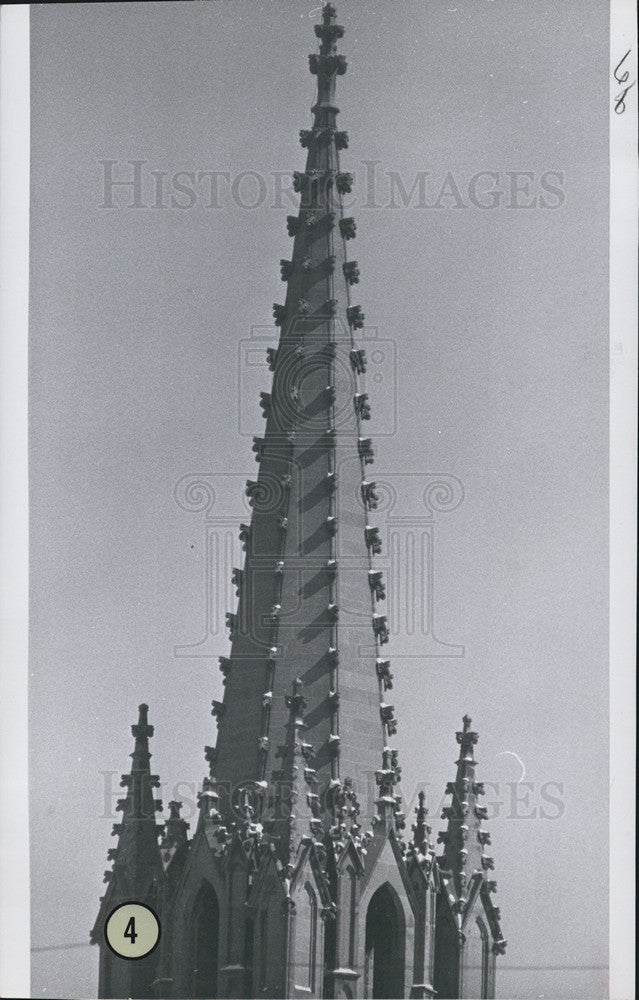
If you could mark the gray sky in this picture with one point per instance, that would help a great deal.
(498, 322)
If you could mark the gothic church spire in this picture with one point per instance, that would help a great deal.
(310, 600)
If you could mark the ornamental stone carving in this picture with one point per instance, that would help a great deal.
(365, 449)
(265, 403)
(362, 406)
(327, 65)
(383, 672)
(348, 228)
(377, 584)
(358, 360)
(329, 33)
(286, 269)
(279, 313)
(355, 317)
(369, 495)
(344, 182)
(380, 628)
(245, 534)
(373, 540)
(351, 272)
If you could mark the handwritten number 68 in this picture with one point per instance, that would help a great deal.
(620, 99)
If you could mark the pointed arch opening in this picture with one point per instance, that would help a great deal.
(385, 953)
(312, 936)
(486, 988)
(206, 933)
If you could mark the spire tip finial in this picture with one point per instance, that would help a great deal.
(328, 12)
(142, 729)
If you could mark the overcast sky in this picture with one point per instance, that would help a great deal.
(493, 333)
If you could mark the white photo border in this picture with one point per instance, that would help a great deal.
(14, 279)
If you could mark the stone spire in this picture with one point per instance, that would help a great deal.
(294, 798)
(137, 864)
(175, 834)
(420, 846)
(468, 936)
(464, 839)
(310, 611)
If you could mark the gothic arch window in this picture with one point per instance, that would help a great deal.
(353, 915)
(485, 958)
(235, 914)
(269, 964)
(249, 943)
(431, 917)
(385, 951)
(263, 976)
(312, 935)
(206, 930)
(329, 955)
